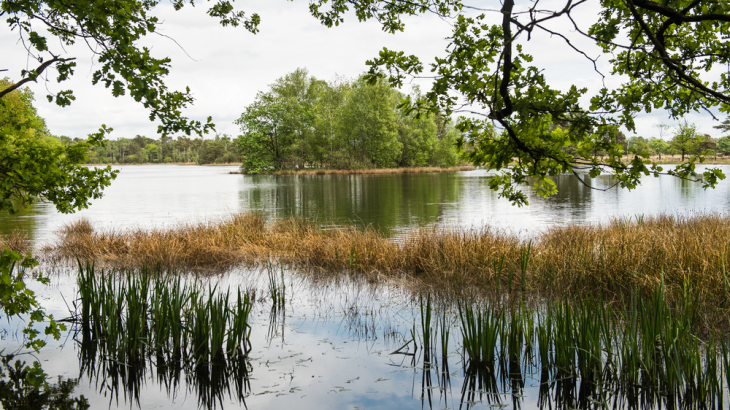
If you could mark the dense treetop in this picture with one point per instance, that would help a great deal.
(302, 121)
(34, 164)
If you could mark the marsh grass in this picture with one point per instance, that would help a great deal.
(133, 315)
(17, 241)
(613, 259)
(644, 347)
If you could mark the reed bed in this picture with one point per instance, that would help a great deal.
(643, 354)
(614, 258)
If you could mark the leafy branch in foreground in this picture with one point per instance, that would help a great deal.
(112, 30)
(668, 55)
(34, 164)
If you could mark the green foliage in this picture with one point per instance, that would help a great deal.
(686, 140)
(724, 126)
(658, 146)
(369, 125)
(113, 31)
(35, 165)
(723, 144)
(663, 53)
(302, 121)
(638, 146)
(218, 150)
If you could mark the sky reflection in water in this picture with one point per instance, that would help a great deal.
(334, 350)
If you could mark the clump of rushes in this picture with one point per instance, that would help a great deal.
(130, 314)
(644, 345)
(613, 259)
(480, 330)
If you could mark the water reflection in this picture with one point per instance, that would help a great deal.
(211, 382)
(167, 195)
(339, 353)
(385, 201)
(16, 392)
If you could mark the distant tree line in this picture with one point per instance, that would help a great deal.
(685, 141)
(302, 121)
(143, 150)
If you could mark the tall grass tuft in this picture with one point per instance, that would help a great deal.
(17, 241)
(643, 347)
(133, 314)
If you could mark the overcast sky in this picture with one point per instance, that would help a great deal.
(226, 67)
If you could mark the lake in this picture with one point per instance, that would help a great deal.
(337, 344)
(166, 195)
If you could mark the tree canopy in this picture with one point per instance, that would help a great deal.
(34, 164)
(672, 55)
(303, 121)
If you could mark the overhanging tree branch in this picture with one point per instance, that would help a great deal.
(33, 74)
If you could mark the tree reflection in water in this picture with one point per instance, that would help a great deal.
(211, 382)
(18, 393)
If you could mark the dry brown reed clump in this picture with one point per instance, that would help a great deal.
(613, 258)
(17, 241)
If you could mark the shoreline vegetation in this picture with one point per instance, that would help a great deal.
(408, 170)
(167, 163)
(613, 259)
(664, 160)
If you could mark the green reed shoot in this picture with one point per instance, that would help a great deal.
(480, 333)
(238, 336)
(426, 311)
(445, 333)
(514, 333)
(545, 335)
(277, 291)
(128, 315)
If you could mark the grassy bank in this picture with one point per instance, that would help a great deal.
(612, 258)
(416, 170)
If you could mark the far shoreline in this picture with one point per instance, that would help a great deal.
(409, 170)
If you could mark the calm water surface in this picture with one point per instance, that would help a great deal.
(332, 347)
(166, 195)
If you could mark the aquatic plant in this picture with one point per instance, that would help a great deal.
(131, 313)
(612, 259)
(277, 289)
(480, 332)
